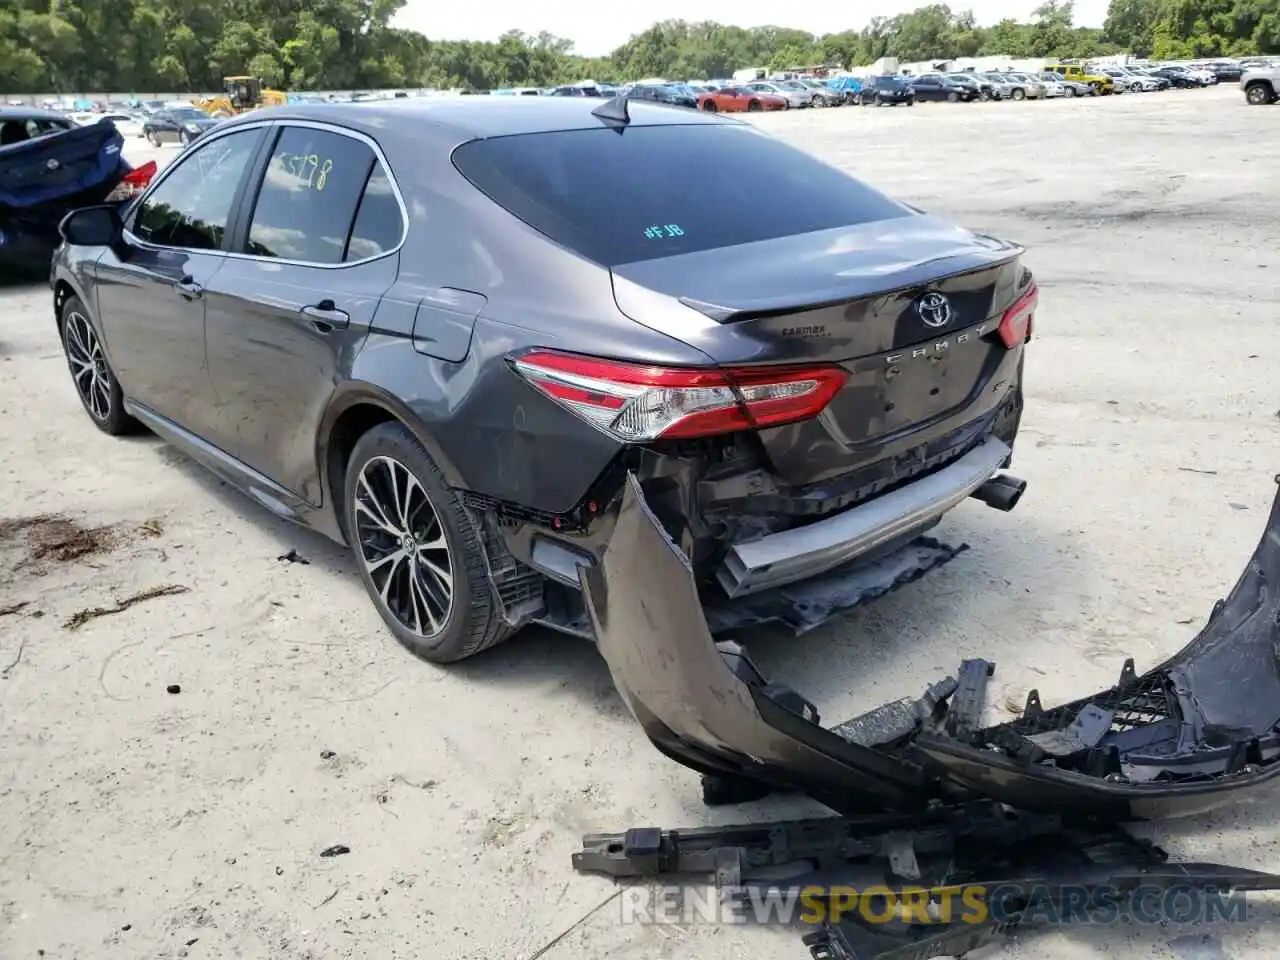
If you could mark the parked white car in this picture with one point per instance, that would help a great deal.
(127, 125)
(1053, 86)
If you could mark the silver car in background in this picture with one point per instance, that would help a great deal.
(1001, 88)
(823, 95)
(1033, 88)
(1054, 87)
(795, 92)
(1072, 88)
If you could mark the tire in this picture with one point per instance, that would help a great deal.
(1258, 94)
(1018, 94)
(953, 97)
(753, 106)
(1096, 88)
(911, 101)
(709, 107)
(153, 139)
(94, 381)
(183, 137)
(471, 621)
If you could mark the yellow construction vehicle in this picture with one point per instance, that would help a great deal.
(242, 94)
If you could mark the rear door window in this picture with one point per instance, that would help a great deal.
(379, 224)
(565, 184)
(191, 207)
(311, 195)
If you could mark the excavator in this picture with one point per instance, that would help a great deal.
(242, 94)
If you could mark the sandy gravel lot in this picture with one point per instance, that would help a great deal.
(139, 823)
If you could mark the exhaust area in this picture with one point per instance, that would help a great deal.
(1002, 491)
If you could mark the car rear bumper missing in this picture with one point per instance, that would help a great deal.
(1184, 737)
(804, 552)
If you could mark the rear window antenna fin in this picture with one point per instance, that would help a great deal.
(613, 110)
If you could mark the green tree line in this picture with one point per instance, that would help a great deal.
(189, 45)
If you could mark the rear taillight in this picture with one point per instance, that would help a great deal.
(133, 183)
(637, 402)
(1015, 326)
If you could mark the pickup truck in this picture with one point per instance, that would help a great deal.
(1261, 85)
(1100, 83)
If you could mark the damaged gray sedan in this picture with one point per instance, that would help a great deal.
(803, 376)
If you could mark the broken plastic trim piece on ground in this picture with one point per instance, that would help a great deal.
(1183, 737)
(1007, 869)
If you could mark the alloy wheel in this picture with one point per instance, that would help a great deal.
(89, 367)
(1257, 95)
(403, 546)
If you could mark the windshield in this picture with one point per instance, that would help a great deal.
(793, 85)
(889, 82)
(553, 182)
(188, 114)
(681, 90)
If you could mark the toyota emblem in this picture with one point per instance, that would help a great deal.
(934, 309)
(51, 164)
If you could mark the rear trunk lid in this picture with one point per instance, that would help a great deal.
(59, 165)
(865, 298)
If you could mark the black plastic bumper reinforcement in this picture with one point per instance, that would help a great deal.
(1184, 737)
(1008, 869)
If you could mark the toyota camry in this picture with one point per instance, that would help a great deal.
(450, 333)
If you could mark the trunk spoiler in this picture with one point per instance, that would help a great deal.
(1184, 737)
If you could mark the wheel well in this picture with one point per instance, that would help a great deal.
(1259, 83)
(352, 424)
(62, 292)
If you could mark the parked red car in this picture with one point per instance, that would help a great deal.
(739, 99)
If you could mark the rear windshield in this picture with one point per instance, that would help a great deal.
(657, 191)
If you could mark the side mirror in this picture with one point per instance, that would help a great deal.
(98, 226)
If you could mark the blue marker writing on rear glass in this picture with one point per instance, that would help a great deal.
(664, 231)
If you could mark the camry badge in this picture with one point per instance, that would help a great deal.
(934, 309)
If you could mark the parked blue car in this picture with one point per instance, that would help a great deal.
(49, 167)
(849, 87)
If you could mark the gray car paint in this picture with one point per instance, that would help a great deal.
(470, 285)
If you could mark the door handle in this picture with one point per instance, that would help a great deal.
(188, 289)
(326, 317)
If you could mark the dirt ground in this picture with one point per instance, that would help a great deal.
(136, 822)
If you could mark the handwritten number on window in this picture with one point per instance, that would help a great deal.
(311, 168)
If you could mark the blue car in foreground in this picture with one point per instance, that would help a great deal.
(49, 166)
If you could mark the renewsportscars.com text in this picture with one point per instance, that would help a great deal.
(976, 904)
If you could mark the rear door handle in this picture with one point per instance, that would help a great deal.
(324, 316)
(188, 289)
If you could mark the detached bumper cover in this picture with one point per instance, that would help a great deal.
(1184, 737)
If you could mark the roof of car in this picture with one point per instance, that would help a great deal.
(29, 113)
(478, 117)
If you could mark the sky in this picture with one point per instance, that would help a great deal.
(598, 31)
